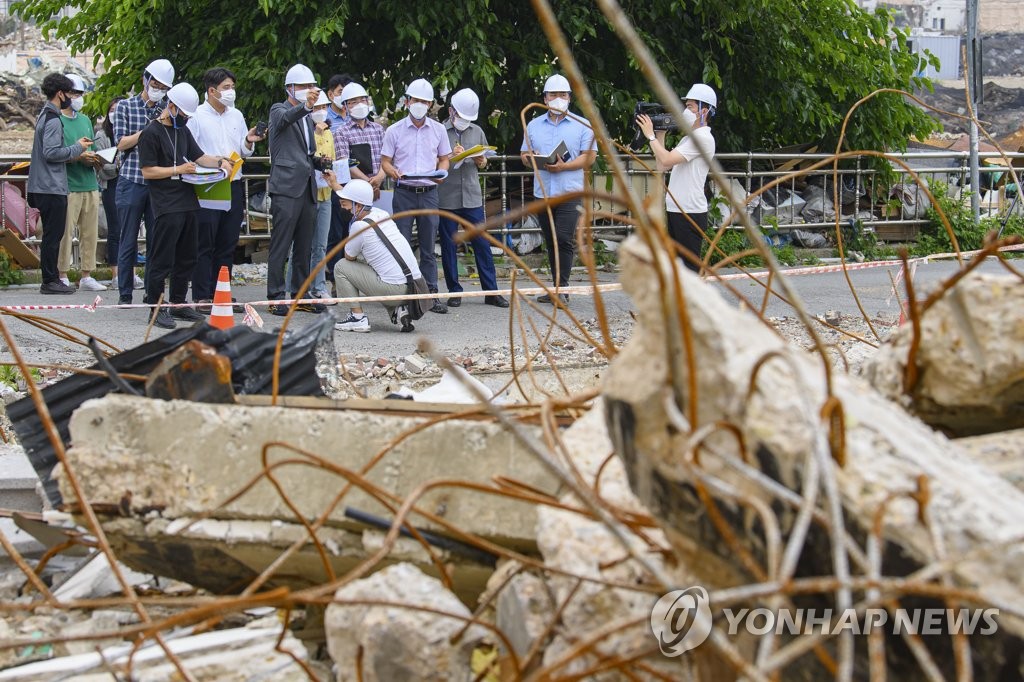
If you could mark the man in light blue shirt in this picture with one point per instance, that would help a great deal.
(564, 176)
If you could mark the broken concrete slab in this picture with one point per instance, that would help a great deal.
(139, 457)
(970, 361)
(396, 643)
(886, 452)
(1000, 452)
(221, 656)
(19, 484)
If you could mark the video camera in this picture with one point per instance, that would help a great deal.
(661, 119)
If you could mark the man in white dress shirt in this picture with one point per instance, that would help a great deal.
(220, 129)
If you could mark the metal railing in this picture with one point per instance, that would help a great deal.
(508, 184)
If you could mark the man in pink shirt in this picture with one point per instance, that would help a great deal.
(415, 146)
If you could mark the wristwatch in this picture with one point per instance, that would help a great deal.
(651, 138)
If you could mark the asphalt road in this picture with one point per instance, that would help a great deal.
(472, 326)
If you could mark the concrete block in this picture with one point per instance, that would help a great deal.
(18, 481)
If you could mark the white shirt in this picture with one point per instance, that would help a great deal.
(220, 134)
(375, 253)
(686, 183)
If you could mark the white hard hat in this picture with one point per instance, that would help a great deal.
(421, 89)
(466, 104)
(185, 97)
(300, 74)
(358, 191)
(322, 100)
(557, 83)
(702, 93)
(77, 81)
(351, 91)
(162, 70)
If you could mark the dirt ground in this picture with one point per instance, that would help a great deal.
(16, 140)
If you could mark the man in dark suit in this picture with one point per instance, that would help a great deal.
(292, 187)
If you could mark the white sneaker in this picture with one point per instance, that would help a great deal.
(90, 284)
(353, 324)
(139, 284)
(65, 281)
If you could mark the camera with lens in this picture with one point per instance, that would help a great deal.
(322, 163)
(661, 119)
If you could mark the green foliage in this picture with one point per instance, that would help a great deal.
(933, 237)
(11, 376)
(786, 72)
(9, 272)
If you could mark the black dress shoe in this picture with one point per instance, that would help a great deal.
(187, 314)
(439, 307)
(454, 302)
(163, 319)
(496, 301)
(544, 298)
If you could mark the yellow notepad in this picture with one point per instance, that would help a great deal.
(476, 150)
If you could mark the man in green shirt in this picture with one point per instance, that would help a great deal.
(83, 193)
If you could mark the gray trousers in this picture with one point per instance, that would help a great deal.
(291, 232)
(354, 278)
(426, 228)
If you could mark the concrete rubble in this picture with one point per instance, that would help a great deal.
(400, 642)
(969, 362)
(137, 455)
(885, 451)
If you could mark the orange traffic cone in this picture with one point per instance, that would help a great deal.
(222, 316)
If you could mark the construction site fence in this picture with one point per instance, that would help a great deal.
(865, 194)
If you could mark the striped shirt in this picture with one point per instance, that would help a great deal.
(350, 133)
(130, 116)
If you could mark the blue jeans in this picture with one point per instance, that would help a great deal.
(319, 248)
(132, 202)
(426, 227)
(481, 250)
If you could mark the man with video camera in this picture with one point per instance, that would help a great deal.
(685, 201)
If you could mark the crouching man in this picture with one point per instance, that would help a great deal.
(380, 274)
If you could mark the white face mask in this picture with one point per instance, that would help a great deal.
(156, 94)
(77, 103)
(460, 123)
(559, 104)
(418, 110)
(338, 101)
(319, 116)
(300, 95)
(689, 117)
(227, 97)
(359, 111)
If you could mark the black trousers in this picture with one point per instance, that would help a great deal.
(684, 234)
(217, 238)
(172, 253)
(291, 233)
(561, 247)
(340, 218)
(53, 209)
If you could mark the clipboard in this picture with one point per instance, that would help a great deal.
(363, 157)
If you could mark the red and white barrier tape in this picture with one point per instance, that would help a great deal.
(587, 289)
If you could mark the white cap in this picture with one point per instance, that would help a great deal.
(162, 70)
(351, 91)
(359, 191)
(300, 74)
(421, 89)
(702, 93)
(466, 104)
(557, 83)
(322, 100)
(77, 81)
(185, 97)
